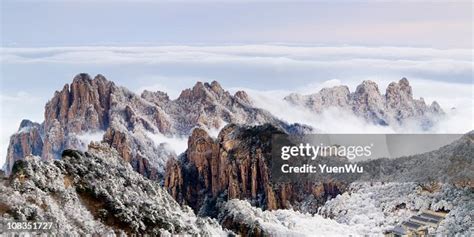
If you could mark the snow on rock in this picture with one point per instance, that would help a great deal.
(95, 193)
(239, 215)
(91, 105)
(378, 207)
(396, 107)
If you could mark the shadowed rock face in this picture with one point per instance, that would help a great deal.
(395, 107)
(27, 141)
(236, 166)
(126, 121)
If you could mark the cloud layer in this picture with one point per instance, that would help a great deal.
(31, 75)
(262, 62)
(421, 60)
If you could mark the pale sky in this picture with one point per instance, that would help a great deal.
(438, 24)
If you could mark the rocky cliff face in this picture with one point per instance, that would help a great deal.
(27, 141)
(127, 121)
(396, 106)
(81, 107)
(237, 166)
(95, 193)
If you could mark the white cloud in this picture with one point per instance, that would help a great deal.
(87, 138)
(408, 60)
(214, 132)
(330, 121)
(176, 144)
(289, 51)
(251, 64)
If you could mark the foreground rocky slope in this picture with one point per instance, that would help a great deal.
(128, 122)
(98, 193)
(95, 193)
(237, 166)
(395, 107)
(450, 164)
(377, 207)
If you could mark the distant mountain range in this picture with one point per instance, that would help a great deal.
(127, 121)
(394, 107)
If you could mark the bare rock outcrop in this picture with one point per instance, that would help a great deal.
(27, 141)
(236, 166)
(81, 107)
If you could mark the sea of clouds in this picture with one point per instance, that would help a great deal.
(458, 105)
(268, 72)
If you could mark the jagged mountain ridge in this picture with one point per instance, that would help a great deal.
(127, 120)
(396, 106)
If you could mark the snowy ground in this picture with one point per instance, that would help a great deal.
(285, 222)
(379, 207)
(366, 209)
